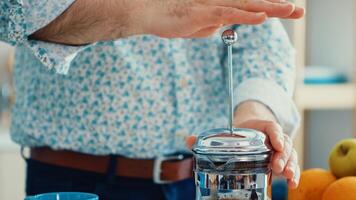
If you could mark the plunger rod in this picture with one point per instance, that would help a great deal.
(229, 37)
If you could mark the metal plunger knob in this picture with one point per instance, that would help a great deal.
(229, 37)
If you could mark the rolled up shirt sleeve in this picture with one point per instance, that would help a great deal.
(265, 61)
(21, 18)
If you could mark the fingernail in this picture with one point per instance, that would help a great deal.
(295, 182)
(281, 164)
(260, 14)
(291, 170)
(281, 140)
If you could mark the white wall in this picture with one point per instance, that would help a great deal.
(330, 42)
(330, 34)
(12, 166)
(325, 129)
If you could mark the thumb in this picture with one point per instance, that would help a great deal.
(190, 141)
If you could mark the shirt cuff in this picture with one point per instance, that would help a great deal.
(54, 56)
(40, 13)
(37, 15)
(274, 97)
(27, 16)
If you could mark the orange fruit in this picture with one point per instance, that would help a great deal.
(344, 188)
(313, 183)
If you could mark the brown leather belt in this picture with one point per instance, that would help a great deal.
(161, 170)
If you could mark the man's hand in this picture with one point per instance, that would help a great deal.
(254, 115)
(97, 20)
(285, 158)
(201, 18)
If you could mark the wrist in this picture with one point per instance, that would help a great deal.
(116, 18)
(127, 16)
(252, 110)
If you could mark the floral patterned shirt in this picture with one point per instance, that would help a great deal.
(139, 96)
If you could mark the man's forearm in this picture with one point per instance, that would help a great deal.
(87, 21)
(91, 21)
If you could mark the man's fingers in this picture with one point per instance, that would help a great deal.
(275, 134)
(202, 19)
(291, 167)
(280, 159)
(293, 183)
(272, 9)
(277, 1)
(206, 32)
(298, 13)
(213, 15)
(271, 129)
(190, 141)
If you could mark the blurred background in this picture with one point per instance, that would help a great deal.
(325, 44)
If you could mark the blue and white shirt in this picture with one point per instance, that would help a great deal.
(139, 96)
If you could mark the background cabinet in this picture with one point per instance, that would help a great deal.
(326, 36)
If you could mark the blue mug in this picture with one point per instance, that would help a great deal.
(64, 196)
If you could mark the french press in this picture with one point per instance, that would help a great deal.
(232, 163)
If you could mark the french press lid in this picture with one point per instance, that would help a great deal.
(240, 141)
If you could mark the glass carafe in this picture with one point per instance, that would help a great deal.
(232, 166)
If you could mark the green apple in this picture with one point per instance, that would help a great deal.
(342, 159)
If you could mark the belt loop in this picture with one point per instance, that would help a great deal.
(22, 151)
(111, 170)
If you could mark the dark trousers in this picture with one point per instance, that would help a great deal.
(43, 178)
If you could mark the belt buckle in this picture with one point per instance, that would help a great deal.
(157, 167)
